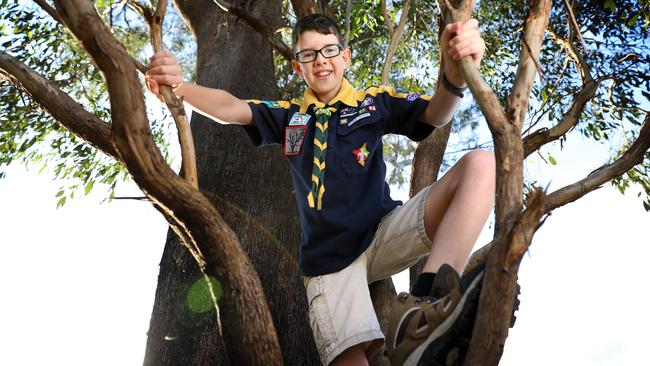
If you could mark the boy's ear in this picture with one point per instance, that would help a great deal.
(347, 56)
(296, 67)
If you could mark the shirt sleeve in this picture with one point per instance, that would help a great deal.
(405, 110)
(269, 118)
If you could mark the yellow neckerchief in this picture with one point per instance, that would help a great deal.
(346, 95)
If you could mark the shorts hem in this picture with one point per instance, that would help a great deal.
(336, 350)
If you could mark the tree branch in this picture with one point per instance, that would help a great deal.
(304, 7)
(543, 136)
(50, 10)
(633, 156)
(348, 11)
(574, 23)
(59, 105)
(57, 16)
(536, 23)
(257, 25)
(175, 104)
(220, 253)
(387, 19)
(395, 36)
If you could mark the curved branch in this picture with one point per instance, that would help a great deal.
(543, 136)
(59, 105)
(222, 255)
(395, 36)
(633, 156)
(55, 14)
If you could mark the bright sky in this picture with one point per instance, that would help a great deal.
(78, 282)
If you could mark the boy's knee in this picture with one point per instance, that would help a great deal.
(481, 165)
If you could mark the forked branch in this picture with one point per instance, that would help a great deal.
(155, 20)
(256, 24)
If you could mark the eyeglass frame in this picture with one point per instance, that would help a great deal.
(316, 52)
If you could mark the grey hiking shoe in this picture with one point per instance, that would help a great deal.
(421, 328)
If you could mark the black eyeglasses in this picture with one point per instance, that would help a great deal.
(329, 51)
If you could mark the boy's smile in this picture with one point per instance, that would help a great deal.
(323, 75)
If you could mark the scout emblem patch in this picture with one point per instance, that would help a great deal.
(412, 97)
(299, 119)
(368, 101)
(347, 112)
(361, 154)
(293, 138)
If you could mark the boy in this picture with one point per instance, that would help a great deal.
(353, 233)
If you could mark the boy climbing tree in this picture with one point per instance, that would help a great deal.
(352, 232)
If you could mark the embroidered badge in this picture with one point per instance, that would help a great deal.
(344, 121)
(299, 119)
(347, 112)
(293, 139)
(271, 104)
(361, 154)
(412, 97)
(368, 101)
(372, 108)
(359, 117)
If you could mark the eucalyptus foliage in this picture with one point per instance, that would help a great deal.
(615, 33)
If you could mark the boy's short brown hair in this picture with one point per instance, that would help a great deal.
(316, 22)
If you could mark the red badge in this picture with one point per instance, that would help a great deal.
(361, 154)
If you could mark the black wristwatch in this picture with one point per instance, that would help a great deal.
(459, 92)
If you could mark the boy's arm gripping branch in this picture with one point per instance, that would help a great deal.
(458, 40)
(216, 104)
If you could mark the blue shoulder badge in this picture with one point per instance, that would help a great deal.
(299, 119)
(271, 104)
(412, 97)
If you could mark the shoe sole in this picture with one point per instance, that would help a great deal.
(441, 332)
(453, 352)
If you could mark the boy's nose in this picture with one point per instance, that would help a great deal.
(319, 58)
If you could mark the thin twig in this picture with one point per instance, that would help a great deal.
(575, 25)
(348, 10)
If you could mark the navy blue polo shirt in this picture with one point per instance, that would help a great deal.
(356, 194)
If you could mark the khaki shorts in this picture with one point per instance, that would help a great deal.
(340, 310)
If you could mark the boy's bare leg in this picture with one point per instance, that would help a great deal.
(457, 208)
(353, 356)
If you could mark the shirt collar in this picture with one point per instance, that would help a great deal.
(346, 95)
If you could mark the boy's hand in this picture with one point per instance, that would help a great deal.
(460, 40)
(163, 69)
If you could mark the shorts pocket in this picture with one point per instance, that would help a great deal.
(320, 318)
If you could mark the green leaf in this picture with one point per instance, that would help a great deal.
(89, 186)
(552, 160)
(60, 202)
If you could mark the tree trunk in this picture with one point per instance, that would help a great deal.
(250, 187)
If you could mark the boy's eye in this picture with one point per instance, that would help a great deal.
(331, 51)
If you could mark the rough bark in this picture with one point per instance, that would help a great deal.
(304, 7)
(212, 243)
(250, 186)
